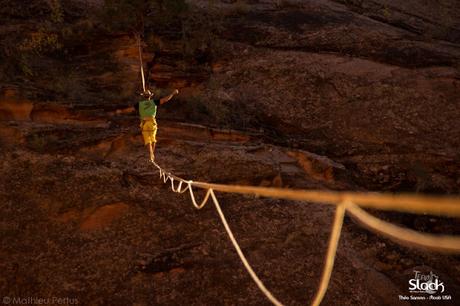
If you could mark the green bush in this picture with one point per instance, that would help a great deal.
(41, 42)
(241, 7)
(24, 48)
(136, 15)
(56, 14)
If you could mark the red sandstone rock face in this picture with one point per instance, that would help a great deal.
(313, 166)
(301, 94)
(13, 106)
(11, 135)
(103, 216)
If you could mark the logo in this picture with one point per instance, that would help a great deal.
(426, 283)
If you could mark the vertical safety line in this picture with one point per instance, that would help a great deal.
(331, 252)
(140, 60)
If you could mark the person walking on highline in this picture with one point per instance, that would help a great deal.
(147, 112)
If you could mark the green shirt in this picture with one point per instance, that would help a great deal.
(148, 108)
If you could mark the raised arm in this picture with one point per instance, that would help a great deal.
(167, 98)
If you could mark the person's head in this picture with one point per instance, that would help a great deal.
(147, 94)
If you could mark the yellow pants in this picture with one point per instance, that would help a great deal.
(149, 130)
